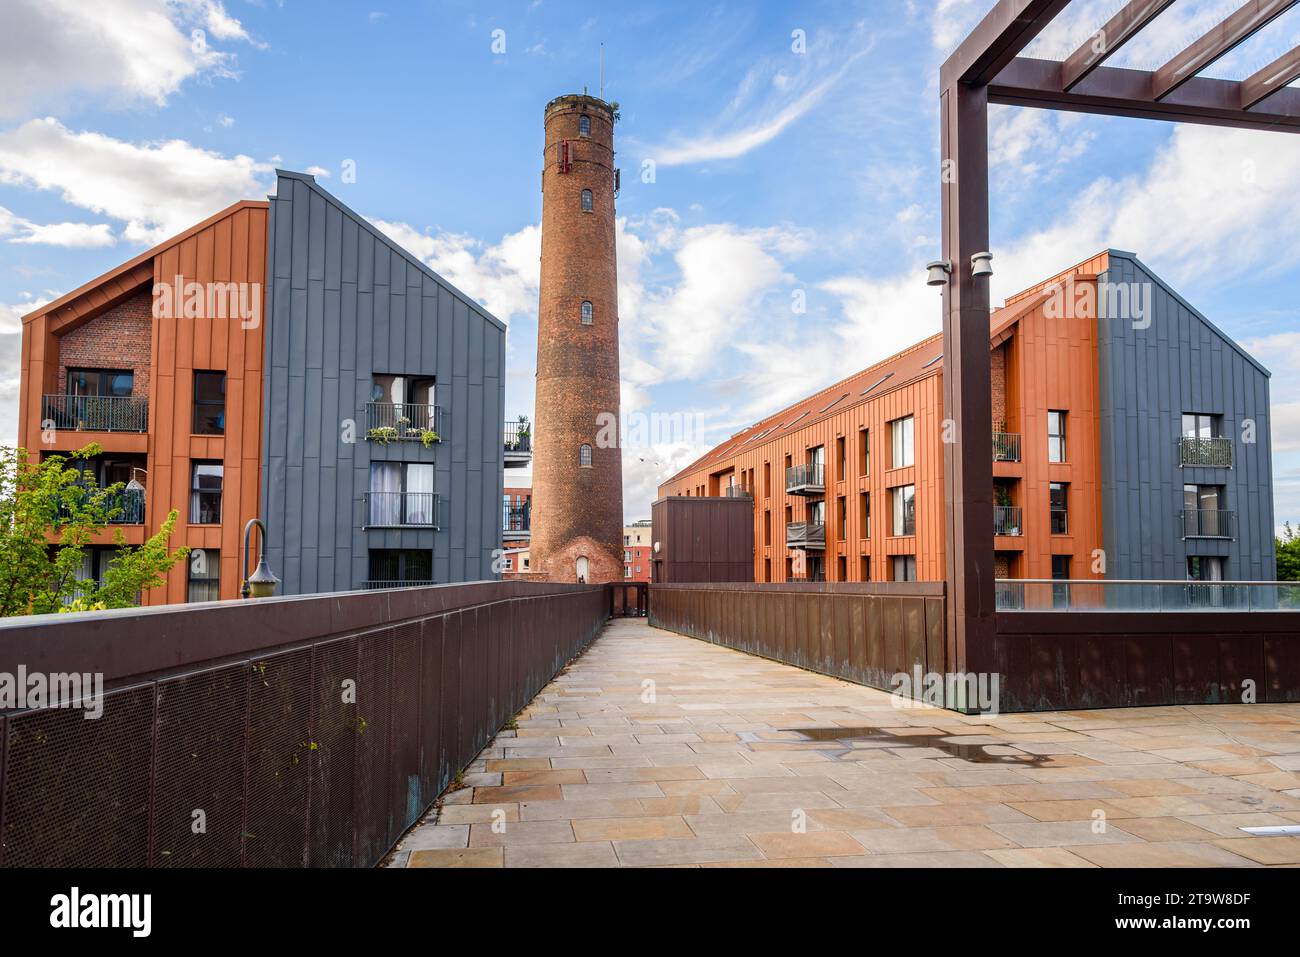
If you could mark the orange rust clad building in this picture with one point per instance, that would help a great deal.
(1104, 463)
(577, 520)
(118, 362)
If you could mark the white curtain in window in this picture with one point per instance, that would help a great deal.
(385, 493)
(419, 494)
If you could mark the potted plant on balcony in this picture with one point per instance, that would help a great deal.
(381, 435)
(522, 433)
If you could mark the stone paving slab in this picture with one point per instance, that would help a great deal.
(712, 770)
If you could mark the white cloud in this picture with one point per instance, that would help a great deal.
(55, 52)
(320, 172)
(157, 189)
(16, 229)
(953, 20)
(11, 314)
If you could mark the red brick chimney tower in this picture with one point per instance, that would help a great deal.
(577, 531)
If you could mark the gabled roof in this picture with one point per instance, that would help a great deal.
(102, 290)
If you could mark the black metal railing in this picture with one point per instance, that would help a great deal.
(810, 535)
(1006, 447)
(96, 413)
(1212, 452)
(516, 518)
(809, 477)
(126, 507)
(1207, 523)
(518, 438)
(402, 509)
(404, 422)
(1006, 520)
(380, 585)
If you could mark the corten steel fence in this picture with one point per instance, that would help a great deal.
(865, 633)
(304, 731)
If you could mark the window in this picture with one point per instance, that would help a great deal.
(864, 514)
(767, 528)
(209, 403)
(584, 456)
(901, 439)
(1061, 573)
(840, 464)
(403, 403)
(205, 575)
(842, 569)
(627, 571)
(904, 568)
(767, 479)
(903, 506)
(587, 204)
(103, 383)
(401, 566)
(205, 493)
(864, 453)
(627, 539)
(401, 493)
(767, 569)
(1197, 426)
(1203, 513)
(627, 555)
(842, 510)
(588, 313)
(1059, 503)
(864, 568)
(1056, 436)
(584, 125)
(1204, 568)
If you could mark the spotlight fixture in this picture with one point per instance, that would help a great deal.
(981, 264)
(938, 272)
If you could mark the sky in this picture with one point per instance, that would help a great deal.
(780, 175)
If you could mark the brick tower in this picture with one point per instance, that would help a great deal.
(577, 485)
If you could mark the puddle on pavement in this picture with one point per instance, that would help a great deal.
(975, 753)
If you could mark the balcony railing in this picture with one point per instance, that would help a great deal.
(516, 520)
(404, 422)
(1210, 453)
(809, 577)
(377, 585)
(737, 491)
(402, 509)
(518, 438)
(1207, 523)
(1006, 447)
(1006, 520)
(96, 413)
(806, 479)
(1110, 595)
(809, 535)
(127, 504)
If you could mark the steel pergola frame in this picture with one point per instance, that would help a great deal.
(987, 68)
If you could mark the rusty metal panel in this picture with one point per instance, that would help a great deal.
(432, 770)
(331, 751)
(935, 652)
(76, 791)
(1195, 668)
(279, 742)
(876, 655)
(1149, 670)
(198, 793)
(1281, 668)
(913, 615)
(1101, 672)
(373, 731)
(407, 796)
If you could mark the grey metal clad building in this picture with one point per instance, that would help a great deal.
(383, 407)
(1186, 456)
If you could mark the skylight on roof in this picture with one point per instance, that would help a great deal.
(881, 380)
(932, 361)
(835, 403)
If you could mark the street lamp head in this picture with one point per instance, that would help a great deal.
(981, 264)
(938, 272)
(261, 584)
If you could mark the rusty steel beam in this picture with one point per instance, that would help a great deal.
(1239, 27)
(1285, 69)
(1007, 29)
(1121, 28)
(1114, 91)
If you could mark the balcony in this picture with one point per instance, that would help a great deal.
(737, 491)
(1215, 453)
(96, 413)
(126, 507)
(518, 446)
(402, 510)
(805, 480)
(516, 522)
(807, 535)
(379, 585)
(404, 422)
(1006, 447)
(1006, 520)
(1207, 523)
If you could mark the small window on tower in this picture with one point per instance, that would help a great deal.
(584, 456)
(584, 125)
(588, 313)
(587, 204)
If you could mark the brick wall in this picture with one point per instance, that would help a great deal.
(998, 369)
(118, 339)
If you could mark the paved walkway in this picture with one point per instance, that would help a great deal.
(654, 749)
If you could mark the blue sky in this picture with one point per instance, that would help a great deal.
(778, 168)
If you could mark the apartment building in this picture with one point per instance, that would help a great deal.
(1130, 441)
(638, 551)
(282, 360)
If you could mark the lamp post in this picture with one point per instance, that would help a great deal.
(261, 584)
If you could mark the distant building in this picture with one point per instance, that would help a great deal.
(1130, 441)
(638, 552)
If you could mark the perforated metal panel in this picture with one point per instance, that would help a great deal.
(279, 752)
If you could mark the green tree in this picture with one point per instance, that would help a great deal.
(1288, 555)
(50, 513)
